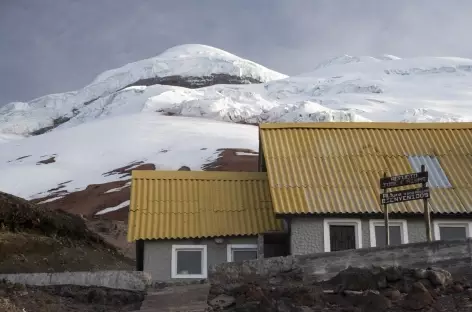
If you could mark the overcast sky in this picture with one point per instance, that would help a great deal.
(49, 46)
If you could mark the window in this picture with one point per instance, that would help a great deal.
(451, 230)
(342, 234)
(397, 228)
(189, 261)
(437, 176)
(238, 252)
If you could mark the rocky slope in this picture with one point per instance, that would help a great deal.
(392, 289)
(35, 239)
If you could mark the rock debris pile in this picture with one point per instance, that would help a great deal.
(372, 289)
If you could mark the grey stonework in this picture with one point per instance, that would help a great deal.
(307, 234)
(128, 280)
(260, 246)
(450, 255)
(158, 254)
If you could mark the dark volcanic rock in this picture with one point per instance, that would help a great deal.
(359, 279)
(376, 289)
(418, 298)
(194, 82)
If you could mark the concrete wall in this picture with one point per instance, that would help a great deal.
(307, 233)
(450, 255)
(158, 254)
(129, 280)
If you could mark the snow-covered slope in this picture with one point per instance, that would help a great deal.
(187, 63)
(83, 155)
(115, 121)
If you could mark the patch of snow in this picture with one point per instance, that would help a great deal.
(246, 154)
(117, 189)
(50, 200)
(6, 137)
(110, 209)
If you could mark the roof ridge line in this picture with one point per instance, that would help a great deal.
(368, 125)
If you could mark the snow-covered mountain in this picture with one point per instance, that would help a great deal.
(189, 66)
(145, 112)
(201, 81)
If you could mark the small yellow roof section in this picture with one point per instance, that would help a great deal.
(335, 167)
(197, 204)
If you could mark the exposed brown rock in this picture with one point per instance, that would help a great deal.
(91, 200)
(126, 170)
(46, 161)
(114, 232)
(23, 157)
(418, 297)
(234, 159)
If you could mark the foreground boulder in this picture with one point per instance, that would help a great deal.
(374, 289)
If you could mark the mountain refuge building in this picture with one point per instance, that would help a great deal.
(317, 190)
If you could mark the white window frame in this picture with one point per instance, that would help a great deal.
(341, 221)
(176, 248)
(395, 222)
(231, 247)
(451, 223)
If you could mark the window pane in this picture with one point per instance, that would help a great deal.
(342, 237)
(189, 262)
(395, 235)
(244, 254)
(452, 232)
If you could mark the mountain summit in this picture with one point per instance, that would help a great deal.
(190, 66)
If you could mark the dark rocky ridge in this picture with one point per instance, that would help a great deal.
(191, 82)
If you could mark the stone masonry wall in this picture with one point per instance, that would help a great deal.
(450, 255)
(127, 280)
(307, 233)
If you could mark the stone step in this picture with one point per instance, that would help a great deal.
(189, 298)
(181, 289)
(193, 294)
(172, 301)
(181, 308)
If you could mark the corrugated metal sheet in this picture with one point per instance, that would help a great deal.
(193, 204)
(336, 167)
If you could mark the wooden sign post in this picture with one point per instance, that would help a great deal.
(393, 197)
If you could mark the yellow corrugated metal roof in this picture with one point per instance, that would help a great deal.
(193, 204)
(335, 167)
